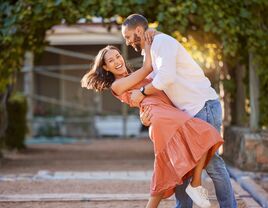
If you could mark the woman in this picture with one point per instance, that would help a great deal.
(183, 145)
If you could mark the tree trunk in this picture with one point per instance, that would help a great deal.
(29, 87)
(240, 114)
(253, 94)
(226, 96)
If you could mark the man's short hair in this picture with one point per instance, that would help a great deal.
(134, 20)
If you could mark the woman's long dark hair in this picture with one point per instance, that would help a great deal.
(98, 78)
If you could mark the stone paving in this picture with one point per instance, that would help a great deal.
(122, 178)
(99, 174)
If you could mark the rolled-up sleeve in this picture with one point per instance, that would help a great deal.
(165, 63)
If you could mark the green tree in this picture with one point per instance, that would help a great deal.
(238, 28)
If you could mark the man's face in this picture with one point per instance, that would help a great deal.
(133, 37)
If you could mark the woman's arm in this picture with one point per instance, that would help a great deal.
(124, 84)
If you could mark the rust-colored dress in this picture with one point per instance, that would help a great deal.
(179, 141)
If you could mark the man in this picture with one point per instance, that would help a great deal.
(180, 77)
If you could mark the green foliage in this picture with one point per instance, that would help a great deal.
(229, 85)
(17, 127)
(263, 75)
(236, 26)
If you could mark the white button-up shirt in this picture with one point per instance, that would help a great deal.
(179, 76)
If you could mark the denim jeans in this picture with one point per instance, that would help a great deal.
(212, 113)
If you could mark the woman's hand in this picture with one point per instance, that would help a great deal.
(147, 48)
(147, 65)
(149, 35)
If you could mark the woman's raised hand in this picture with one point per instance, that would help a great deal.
(149, 35)
(147, 47)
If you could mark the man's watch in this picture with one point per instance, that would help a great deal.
(142, 89)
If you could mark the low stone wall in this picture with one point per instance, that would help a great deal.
(245, 149)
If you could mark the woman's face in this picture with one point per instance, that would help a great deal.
(115, 63)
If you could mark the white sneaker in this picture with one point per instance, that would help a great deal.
(199, 195)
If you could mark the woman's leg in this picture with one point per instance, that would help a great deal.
(195, 190)
(197, 172)
(154, 201)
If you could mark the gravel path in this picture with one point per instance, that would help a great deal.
(19, 170)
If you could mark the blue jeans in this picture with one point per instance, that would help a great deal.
(211, 113)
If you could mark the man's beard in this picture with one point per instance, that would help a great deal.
(137, 43)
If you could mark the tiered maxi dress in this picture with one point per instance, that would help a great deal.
(179, 141)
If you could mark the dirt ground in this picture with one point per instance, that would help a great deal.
(101, 155)
(114, 204)
(93, 155)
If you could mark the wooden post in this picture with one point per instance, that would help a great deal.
(62, 91)
(98, 102)
(96, 110)
(3, 113)
(124, 106)
(29, 87)
(253, 94)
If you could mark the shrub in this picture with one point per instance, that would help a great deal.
(17, 124)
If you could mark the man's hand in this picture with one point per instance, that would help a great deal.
(136, 97)
(145, 116)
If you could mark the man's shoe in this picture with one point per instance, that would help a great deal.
(199, 195)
